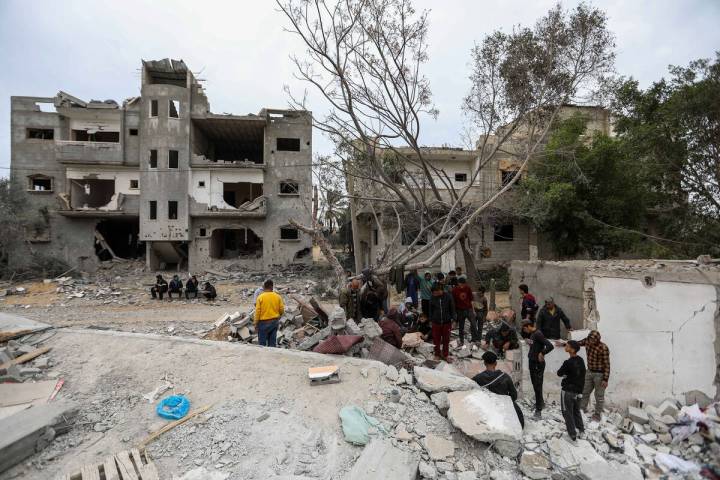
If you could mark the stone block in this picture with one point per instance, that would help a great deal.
(668, 407)
(638, 415)
(440, 399)
(433, 381)
(380, 459)
(535, 465)
(568, 456)
(428, 470)
(438, 447)
(612, 469)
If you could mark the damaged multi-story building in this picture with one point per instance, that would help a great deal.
(162, 177)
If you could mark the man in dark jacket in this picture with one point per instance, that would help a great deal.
(573, 373)
(539, 347)
(209, 291)
(498, 382)
(349, 299)
(160, 288)
(191, 287)
(502, 339)
(175, 286)
(549, 318)
(442, 315)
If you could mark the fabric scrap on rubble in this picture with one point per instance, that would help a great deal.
(356, 425)
(338, 344)
(670, 463)
(412, 340)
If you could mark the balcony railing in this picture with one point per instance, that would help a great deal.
(70, 151)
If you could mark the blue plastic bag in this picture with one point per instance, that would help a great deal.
(173, 407)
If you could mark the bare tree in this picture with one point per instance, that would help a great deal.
(365, 59)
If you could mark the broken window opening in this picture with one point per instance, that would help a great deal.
(289, 187)
(40, 133)
(172, 210)
(133, 132)
(153, 108)
(40, 183)
(289, 233)
(153, 209)
(229, 141)
(237, 194)
(375, 236)
(288, 144)
(173, 108)
(153, 158)
(507, 176)
(134, 184)
(504, 233)
(203, 232)
(118, 238)
(201, 184)
(235, 243)
(172, 159)
(95, 136)
(91, 193)
(461, 177)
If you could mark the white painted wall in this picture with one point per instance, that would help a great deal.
(212, 193)
(661, 338)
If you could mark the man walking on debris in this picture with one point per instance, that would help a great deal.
(528, 306)
(269, 307)
(442, 315)
(539, 347)
(425, 292)
(549, 318)
(349, 299)
(598, 374)
(160, 287)
(498, 382)
(462, 296)
(573, 373)
(191, 287)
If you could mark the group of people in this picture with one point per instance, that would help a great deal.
(175, 287)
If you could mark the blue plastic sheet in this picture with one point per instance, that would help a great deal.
(173, 407)
(356, 425)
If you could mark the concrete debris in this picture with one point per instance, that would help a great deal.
(440, 399)
(381, 460)
(638, 415)
(433, 381)
(428, 470)
(568, 456)
(535, 465)
(201, 473)
(604, 470)
(438, 448)
(159, 390)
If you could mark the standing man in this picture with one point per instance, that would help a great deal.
(549, 318)
(442, 315)
(462, 296)
(598, 364)
(349, 299)
(425, 292)
(498, 382)
(452, 279)
(269, 307)
(573, 373)
(528, 305)
(539, 347)
(412, 285)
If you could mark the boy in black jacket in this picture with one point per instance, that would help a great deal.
(539, 347)
(573, 371)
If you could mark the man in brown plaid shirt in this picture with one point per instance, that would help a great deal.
(598, 372)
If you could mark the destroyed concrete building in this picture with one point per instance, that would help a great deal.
(498, 236)
(162, 177)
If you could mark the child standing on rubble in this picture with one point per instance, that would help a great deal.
(573, 373)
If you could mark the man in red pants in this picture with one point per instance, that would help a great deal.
(442, 314)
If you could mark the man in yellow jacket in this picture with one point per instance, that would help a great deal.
(269, 307)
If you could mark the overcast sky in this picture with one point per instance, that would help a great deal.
(92, 49)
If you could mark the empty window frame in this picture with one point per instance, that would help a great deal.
(288, 144)
(461, 177)
(289, 233)
(289, 187)
(506, 177)
(40, 133)
(375, 236)
(172, 210)
(153, 210)
(134, 184)
(133, 132)
(203, 232)
(40, 183)
(504, 233)
(153, 108)
(172, 159)
(153, 159)
(201, 184)
(174, 109)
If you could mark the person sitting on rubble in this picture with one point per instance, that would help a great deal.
(209, 291)
(423, 326)
(390, 329)
(372, 283)
(175, 286)
(549, 318)
(191, 287)
(498, 382)
(442, 315)
(160, 287)
(573, 373)
(349, 300)
(269, 307)
(528, 305)
(502, 339)
(370, 306)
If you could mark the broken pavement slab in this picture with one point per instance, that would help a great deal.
(433, 381)
(638, 415)
(381, 460)
(568, 456)
(438, 447)
(535, 465)
(613, 469)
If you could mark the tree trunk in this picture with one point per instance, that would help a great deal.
(470, 270)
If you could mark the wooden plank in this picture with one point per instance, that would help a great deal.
(125, 466)
(90, 472)
(174, 424)
(110, 468)
(25, 358)
(148, 470)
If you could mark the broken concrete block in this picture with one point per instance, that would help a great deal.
(351, 328)
(440, 399)
(313, 340)
(568, 456)
(433, 381)
(486, 417)
(466, 475)
(370, 328)
(438, 447)
(402, 434)
(391, 373)
(612, 469)
(696, 396)
(638, 415)
(428, 470)
(535, 465)
(668, 407)
(447, 368)
(380, 459)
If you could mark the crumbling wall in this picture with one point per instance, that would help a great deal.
(201, 241)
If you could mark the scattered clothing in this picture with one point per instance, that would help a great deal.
(548, 321)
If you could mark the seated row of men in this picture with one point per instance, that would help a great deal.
(175, 287)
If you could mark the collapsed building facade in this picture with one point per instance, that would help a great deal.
(162, 177)
(499, 235)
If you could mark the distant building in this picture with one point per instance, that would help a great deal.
(162, 177)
